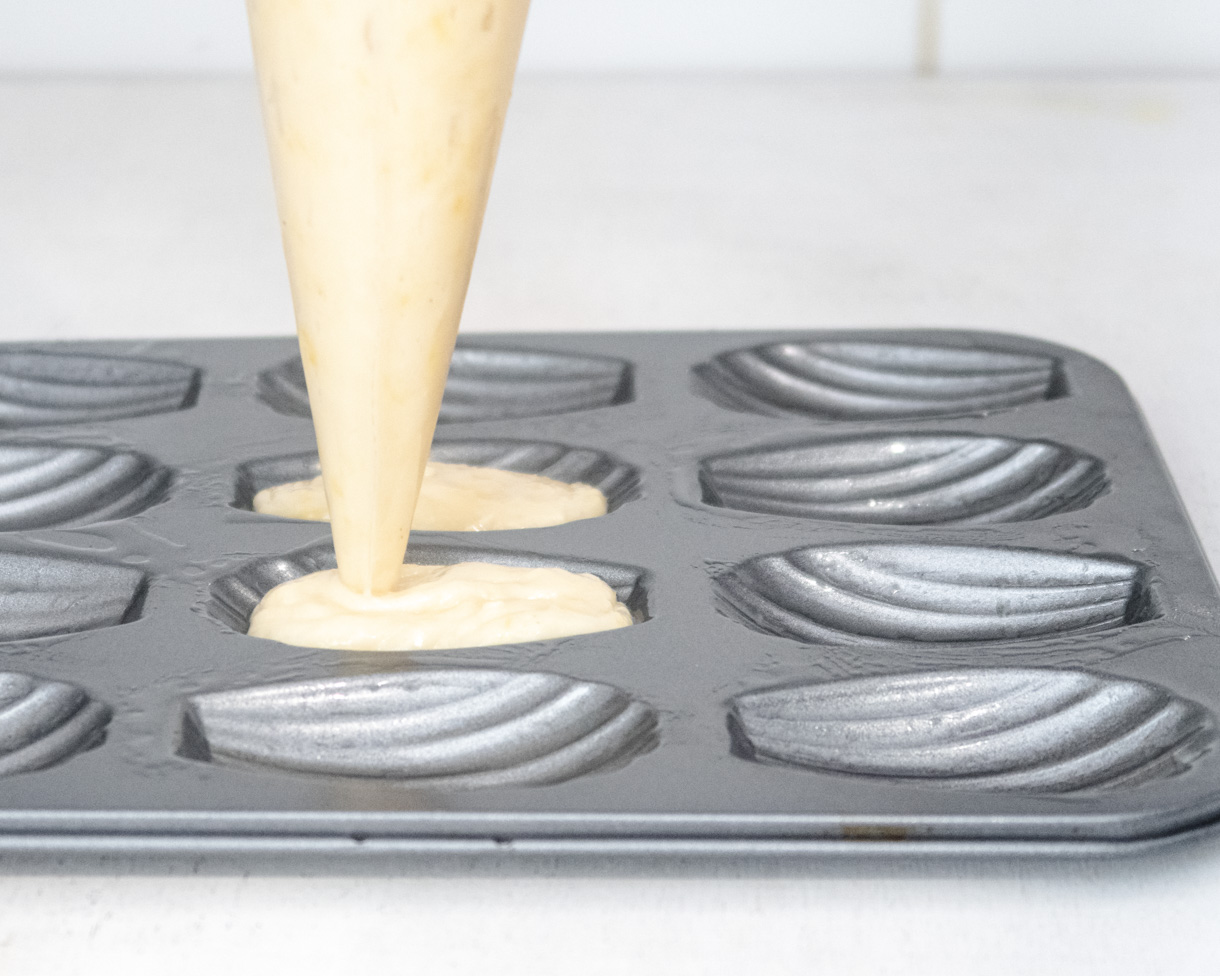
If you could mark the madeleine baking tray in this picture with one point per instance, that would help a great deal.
(926, 587)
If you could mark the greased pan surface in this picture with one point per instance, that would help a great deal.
(896, 584)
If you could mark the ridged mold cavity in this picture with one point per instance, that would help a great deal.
(45, 722)
(907, 479)
(69, 388)
(490, 384)
(46, 596)
(235, 595)
(876, 380)
(45, 485)
(448, 728)
(1012, 729)
(878, 592)
(619, 482)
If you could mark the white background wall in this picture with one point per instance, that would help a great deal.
(1106, 36)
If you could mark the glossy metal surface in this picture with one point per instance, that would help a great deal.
(666, 547)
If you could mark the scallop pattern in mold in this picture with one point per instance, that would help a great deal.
(1006, 729)
(907, 479)
(68, 388)
(45, 722)
(619, 482)
(490, 384)
(235, 595)
(884, 592)
(45, 485)
(834, 380)
(447, 727)
(45, 596)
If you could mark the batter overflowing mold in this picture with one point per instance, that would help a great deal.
(837, 380)
(46, 596)
(69, 388)
(1007, 729)
(886, 592)
(448, 728)
(50, 485)
(490, 384)
(45, 722)
(906, 479)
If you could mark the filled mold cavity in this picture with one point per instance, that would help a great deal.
(441, 728)
(1001, 729)
(617, 481)
(836, 380)
(43, 723)
(235, 595)
(67, 388)
(906, 479)
(910, 592)
(48, 596)
(490, 384)
(50, 485)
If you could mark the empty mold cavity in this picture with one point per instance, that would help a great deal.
(446, 727)
(490, 384)
(46, 596)
(907, 479)
(45, 722)
(880, 592)
(619, 482)
(876, 380)
(235, 595)
(69, 388)
(44, 485)
(1016, 729)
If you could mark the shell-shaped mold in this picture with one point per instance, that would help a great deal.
(876, 592)
(445, 727)
(619, 482)
(834, 380)
(45, 722)
(45, 596)
(490, 384)
(69, 388)
(235, 595)
(1019, 729)
(907, 479)
(43, 485)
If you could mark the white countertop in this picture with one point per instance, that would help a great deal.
(1085, 213)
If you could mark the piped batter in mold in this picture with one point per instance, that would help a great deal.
(838, 380)
(236, 594)
(446, 728)
(618, 482)
(1005, 729)
(490, 384)
(907, 479)
(46, 596)
(428, 608)
(68, 388)
(45, 722)
(903, 592)
(49, 485)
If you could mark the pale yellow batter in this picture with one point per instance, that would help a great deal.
(383, 121)
(459, 498)
(432, 607)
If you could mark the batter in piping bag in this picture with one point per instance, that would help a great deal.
(383, 121)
